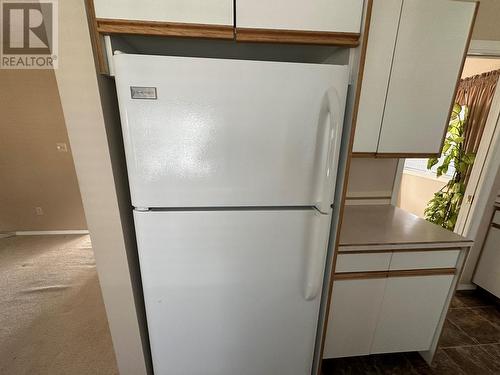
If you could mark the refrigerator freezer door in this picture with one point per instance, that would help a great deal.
(217, 132)
(228, 292)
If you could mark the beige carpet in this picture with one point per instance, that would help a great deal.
(52, 317)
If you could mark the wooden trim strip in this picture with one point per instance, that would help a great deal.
(394, 273)
(363, 154)
(360, 275)
(422, 272)
(297, 36)
(96, 39)
(465, 240)
(367, 198)
(399, 250)
(393, 155)
(119, 26)
(399, 155)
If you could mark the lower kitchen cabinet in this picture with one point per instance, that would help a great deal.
(384, 315)
(353, 318)
(410, 313)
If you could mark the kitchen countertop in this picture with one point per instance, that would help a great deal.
(374, 227)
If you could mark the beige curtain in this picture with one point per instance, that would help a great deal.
(477, 93)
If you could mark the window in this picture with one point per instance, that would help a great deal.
(420, 166)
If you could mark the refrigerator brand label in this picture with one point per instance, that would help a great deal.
(143, 92)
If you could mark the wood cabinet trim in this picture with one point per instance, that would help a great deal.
(360, 275)
(459, 243)
(394, 273)
(189, 30)
(399, 250)
(392, 155)
(95, 39)
(297, 37)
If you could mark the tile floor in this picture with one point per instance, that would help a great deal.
(470, 344)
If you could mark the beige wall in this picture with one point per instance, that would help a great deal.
(416, 190)
(32, 172)
(487, 25)
(371, 180)
(478, 65)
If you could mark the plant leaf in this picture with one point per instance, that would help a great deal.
(431, 163)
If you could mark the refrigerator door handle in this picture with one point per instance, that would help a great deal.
(327, 176)
(316, 256)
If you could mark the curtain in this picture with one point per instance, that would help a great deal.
(477, 94)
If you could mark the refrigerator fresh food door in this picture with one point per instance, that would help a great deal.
(218, 132)
(232, 291)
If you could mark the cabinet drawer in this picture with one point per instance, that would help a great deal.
(424, 259)
(363, 262)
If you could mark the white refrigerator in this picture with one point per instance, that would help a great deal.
(232, 168)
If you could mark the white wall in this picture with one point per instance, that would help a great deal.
(114, 253)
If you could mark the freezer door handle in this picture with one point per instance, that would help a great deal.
(329, 152)
(316, 256)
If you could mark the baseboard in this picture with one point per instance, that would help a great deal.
(467, 286)
(48, 232)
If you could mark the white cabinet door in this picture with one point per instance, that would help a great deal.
(410, 313)
(226, 291)
(487, 274)
(380, 50)
(431, 42)
(210, 12)
(353, 317)
(312, 15)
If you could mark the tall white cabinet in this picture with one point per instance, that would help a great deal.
(415, 53)
(487, 273)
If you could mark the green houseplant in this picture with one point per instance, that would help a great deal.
(443, 208)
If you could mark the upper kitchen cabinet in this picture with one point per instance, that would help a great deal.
(199, 18)
(299, 21)
(414, 59)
